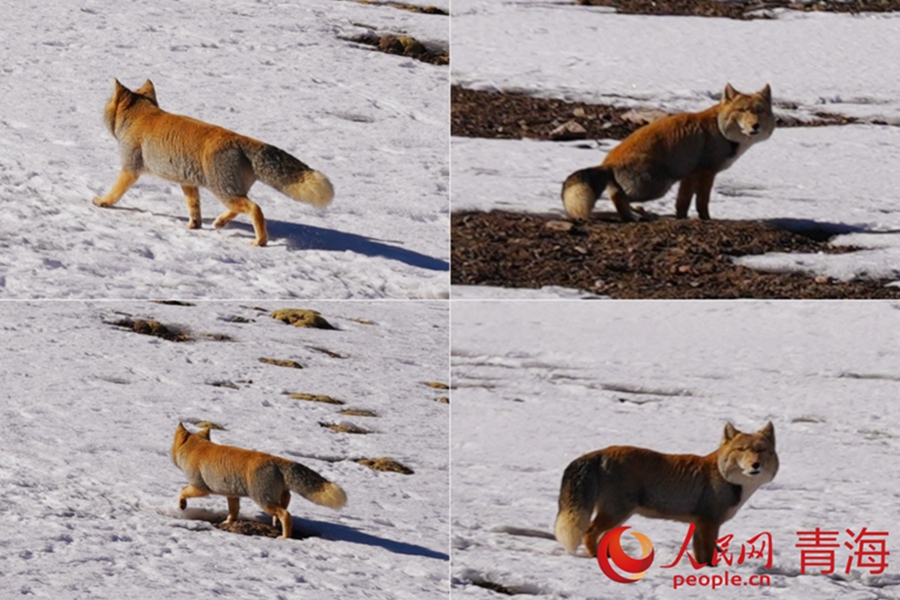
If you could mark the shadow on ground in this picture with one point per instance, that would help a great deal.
(260, 525)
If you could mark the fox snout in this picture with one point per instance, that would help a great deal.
(751, 466)
(751, 128)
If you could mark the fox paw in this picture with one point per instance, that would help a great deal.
(182, 503)
(99, 201)
(194, 224)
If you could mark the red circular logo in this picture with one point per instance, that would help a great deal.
(612, 558)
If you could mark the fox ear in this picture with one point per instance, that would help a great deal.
(729, 93)
(729, 433)
(148, 90)
(769, 431)
(766, 93)
(204, 433)
(118, 88)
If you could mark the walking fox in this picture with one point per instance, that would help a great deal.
(197, 154)
(602, 489)
(691, 148)
(235, 472)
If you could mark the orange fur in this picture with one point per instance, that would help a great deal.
(690, 148)
(235, 473)
(196, 154)
(602, 489)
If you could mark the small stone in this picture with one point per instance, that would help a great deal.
(570, 130)
(564, 226)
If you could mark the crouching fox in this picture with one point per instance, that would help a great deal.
(689, 148)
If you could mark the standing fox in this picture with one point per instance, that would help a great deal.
(197, 154)
(602, 489)
(235, 472)
(690, 148)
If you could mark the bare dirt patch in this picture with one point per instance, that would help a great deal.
(425, 10)
(301, 317)
(249, 527)
(385, 464)
(314, 398)
(281, 362)
(171, 333)
(344, 428)
(358, 412)
(403, 45)
(665, 258)
(740, 9)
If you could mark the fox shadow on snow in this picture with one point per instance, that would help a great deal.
(306, 528)
(308, 237)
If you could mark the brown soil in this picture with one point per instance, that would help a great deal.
(247, 527)
(739, 9)
(280, 362)
(386, 464)
(404, 45)
(345, 428)
(664, 258)
(314, 398)
(426, 10)
(300, 317)
(172, 333)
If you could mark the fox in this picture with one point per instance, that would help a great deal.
(236, 472)
(690, 148)
(602, 489)
(196, 154)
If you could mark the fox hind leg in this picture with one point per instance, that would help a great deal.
(602, 523)
(283, 516)
(192, 197)
(285, 501)
(241, 204)
(622, 203)
(126, 180)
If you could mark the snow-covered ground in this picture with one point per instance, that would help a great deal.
(538, 383)
(88, 491)
(840, 176)
(284, 73)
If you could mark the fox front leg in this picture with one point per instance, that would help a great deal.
(126, 180)
(190, 491)
(234, 507)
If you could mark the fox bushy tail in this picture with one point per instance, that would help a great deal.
(287, 174)
(581, 190)
(312, 486)
(577, 499)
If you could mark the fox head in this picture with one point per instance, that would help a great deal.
(182, 435)
(748, 458)
(746, 118)
(123, 98)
